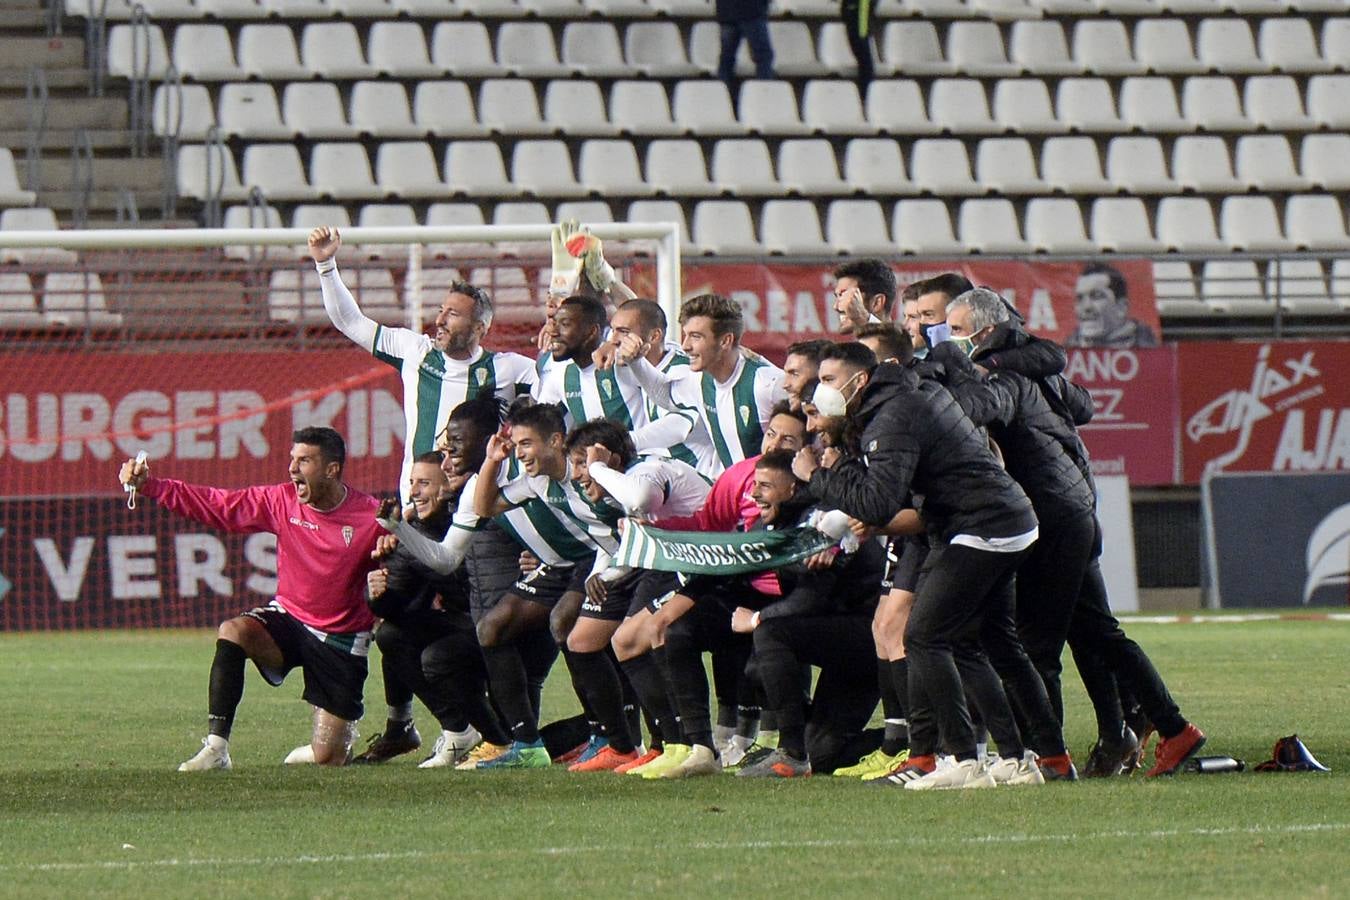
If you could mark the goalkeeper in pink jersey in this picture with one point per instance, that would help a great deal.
(319, 620)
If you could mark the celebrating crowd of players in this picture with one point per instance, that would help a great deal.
(942, 451)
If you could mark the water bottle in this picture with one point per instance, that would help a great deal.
(1209, 765)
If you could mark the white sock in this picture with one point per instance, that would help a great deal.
(400, 713)
(981, 749)
(723, 733)
(216, 742)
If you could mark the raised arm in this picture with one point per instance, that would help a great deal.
(338, 302)
(637, 492)
(488, 500)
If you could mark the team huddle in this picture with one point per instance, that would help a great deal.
(928, 472)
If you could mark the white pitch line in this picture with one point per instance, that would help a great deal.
(1200, 618)
(917, 841)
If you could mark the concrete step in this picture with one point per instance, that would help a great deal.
(150, 220)
(102, 202)
(101, 139)
(21, 4)
(18, 19)
(67, 113)
(62, 52)
(112, 174)
(13, 82)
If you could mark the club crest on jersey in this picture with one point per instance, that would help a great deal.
(348, 532)
(608, 389)
(745, 415)
(480, 376)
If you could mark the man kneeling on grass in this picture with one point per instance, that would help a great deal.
(319, 620)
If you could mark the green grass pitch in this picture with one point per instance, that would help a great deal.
(95, 724)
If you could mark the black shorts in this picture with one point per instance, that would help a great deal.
(724, 592)
(334, 677)
(493, 562)
(629, 595)
(547, 584)
(904, 558)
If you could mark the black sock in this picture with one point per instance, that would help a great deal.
(792, 740)
(632, 705)
(510, 690)
(594, 675)
(226, 687)
(645, 677)
(895, 674)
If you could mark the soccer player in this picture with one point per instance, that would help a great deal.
(439, 372)
(800, 367)
(732, 396)
(319, 621)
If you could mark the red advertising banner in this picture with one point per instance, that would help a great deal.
(787, 303)
(224, 419)
(1133, 432)
(1264, 407)
(75, 563)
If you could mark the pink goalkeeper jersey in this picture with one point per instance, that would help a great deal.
(322, 557)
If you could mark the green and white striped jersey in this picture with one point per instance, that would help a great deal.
(533, 523)
(595, 525)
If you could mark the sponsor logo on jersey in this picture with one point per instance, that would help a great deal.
(303, 524)
(348, 532)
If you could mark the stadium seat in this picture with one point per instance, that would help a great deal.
(833, 108)
(913, 48)
(875, 166)
(456, 214)
(959, 106)
(294, 296)
(399, 50)
(858, 228)
(520, 212)
(173, 9)
(269, 52)
(297, 9)
(1102, 47)
(656, 48)
(1087, 105)
(724, 227)
(1265, 163)
(1071, 164)
(976, 48)
(277, 171)
(924, 227)
(1201, 164)
(794, 52)
(526, 49)
(1340, 283)
(1164, 47)
(463, 49)
(1326, 101)
(657, 211)
(610, 167)
(1251, 224)
(835, 54)
(250, 111)
(1299, 286)
(154, 53)
(1120, 225)
(204, 53)
(676, 168)
(193, 173)
(76, 300)
(1288, 45)
(1007, 166)
(619, 9)
(380, 109)
(1150, 105)
(508, 106)
(408, 169)
(544, 169)
(805, 9)
(587, 212)
(11, 194)
(1174, 288)
(990, 226)
(1226, 45)
(1007, 10)
(491, 10)
(941, 9)
(1316, 222)
(792, 227)
(1234, 287)
(333, 50)
(1022, 106)
(111, 11)
(1136, 164)
(386, 215)
(704, 107)
(342, 171)
(445, 109)
(1212, 104)
(1040, 48)
(314, 109)
(1055, 225)
(809, 167)
(592, 49)
(641, 108)
(705, 48)
(770, 108)
(898, 100)
(1186, 225)
(554, 9)
(941, 166)
(18, 303)
(257, 217)
(743, 167)
(576, 108)
(1275, 103)
(187, 114)
(1336, 42)
(363, 9)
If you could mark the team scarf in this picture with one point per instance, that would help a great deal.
(717, 553)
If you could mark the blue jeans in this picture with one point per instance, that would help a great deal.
(756, 33)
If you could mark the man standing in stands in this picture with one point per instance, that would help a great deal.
(748, 19)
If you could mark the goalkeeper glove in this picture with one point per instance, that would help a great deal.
(588, 248)
(567, 268)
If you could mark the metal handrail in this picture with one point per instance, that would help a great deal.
(81, 176)
(96, 45)
(38, 103)
(55, 11)
(139, 83)
(214, 188)
(170, 132)
(128, 213)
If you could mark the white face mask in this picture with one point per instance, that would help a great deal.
(830, 401)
